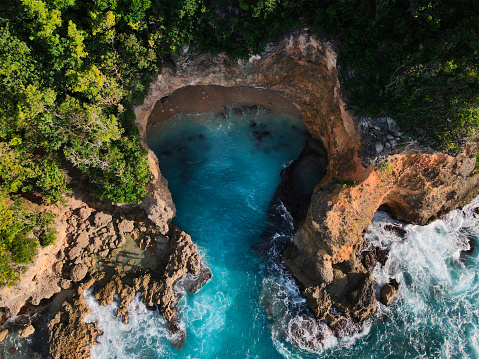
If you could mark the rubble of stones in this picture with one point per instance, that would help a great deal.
(99, 233)
(380, 137)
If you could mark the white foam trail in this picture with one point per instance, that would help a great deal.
(145, 334)
(438, 293)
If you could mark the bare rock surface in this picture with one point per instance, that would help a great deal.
(126, 226)
(389, 292)
(69, 335)
(370, 164)
(79, 272)
(26, 332)
(155, 283)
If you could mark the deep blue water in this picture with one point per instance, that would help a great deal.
(223, 173)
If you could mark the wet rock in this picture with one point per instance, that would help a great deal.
(373, 255)
(3, 335)
(79, 272)
(344, 327)
(164, 99)
(307, 333)
(389, 292)
(363, 299)
(381, 255)
(396, 228)
(471, 240)
(26, 331)
(259, 135)
(369, 259)
(319, 300)
(68, 334)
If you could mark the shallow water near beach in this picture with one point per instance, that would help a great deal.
(223, 170)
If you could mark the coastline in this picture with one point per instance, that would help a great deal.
(415, 187)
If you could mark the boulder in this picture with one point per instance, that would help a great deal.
(26, 331)
(83, 239)
(84, 213)
(3, 335)
(74, 252)
(65, 283)
(126, 226)
(104, 252)
(79, 272)
(101, 219)
(389, 292)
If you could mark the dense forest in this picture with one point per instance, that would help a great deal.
(72, 70)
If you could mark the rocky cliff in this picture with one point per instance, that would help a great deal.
(299, 76)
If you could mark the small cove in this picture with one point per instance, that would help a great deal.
(223, 170)
(252, 308)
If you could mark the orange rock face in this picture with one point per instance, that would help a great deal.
(417, 188)
(300, 77)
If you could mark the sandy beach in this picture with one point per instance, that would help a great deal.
(206, 98)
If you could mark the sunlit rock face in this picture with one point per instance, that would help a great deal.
(300, 77)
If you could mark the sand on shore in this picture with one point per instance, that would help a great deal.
(208, 98)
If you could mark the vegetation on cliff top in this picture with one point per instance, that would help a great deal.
(71, 70)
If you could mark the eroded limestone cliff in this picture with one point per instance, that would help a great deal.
(299, 77)
(325, 255)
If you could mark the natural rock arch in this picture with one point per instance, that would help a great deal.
(325, 254)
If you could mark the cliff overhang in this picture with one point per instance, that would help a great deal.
(299, 76)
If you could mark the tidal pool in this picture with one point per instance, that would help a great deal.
(223, 170)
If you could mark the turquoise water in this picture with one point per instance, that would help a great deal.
(223, 173)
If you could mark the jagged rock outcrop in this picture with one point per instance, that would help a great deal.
(389, 292)
(85, 229)
(156, 285)
(90, 231)
(69, 335)
(299, 77)
(417, 188)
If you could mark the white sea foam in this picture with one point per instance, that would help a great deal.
(145, 334)
(435, 315)
(437, 307)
